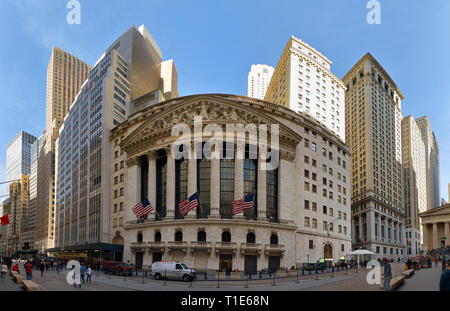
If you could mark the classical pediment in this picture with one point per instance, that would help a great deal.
(213, 110)
(438, 211)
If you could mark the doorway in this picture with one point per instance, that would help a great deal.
(139, 260)
(250, 264)
(328, 254)
(225, 263)
(274, 263)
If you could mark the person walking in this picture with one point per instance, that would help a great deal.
(387, 275)
(42, 268)
(3, 271)
(82, 272)
(16, 268)
(89, 274)
(444, 282)
(29, 270)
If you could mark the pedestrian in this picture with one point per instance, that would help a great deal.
(387, 275)
(3, 271)
(16, 268)
(42, 268)
(436, 260)
(444, 283)
(82, 272)
(89, 274)
(29, 270)
(54, 266)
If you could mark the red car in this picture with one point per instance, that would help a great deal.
(115, 267)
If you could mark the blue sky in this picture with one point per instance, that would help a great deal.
(213, 44)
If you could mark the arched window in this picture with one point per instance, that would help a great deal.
(158, 236)
(201, 236)
(251, 237)
(140, 238)
(226, 237)
(178, 236)
(274, 239)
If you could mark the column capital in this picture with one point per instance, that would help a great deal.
(152, 155)
(132, 161)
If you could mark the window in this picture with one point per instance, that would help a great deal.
(140, 238)
(251, 238)
(314, 223)
(273, 239)
(313, 146)
(178, 236)
(226, 237)
(306, 221)
(324, 227)
(306, 204)
(306, 186)
(158, 236)
(311, 244)
(324, 209)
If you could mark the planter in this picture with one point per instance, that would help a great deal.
(281, 273)
(292, 272)
(221, 275)
(235, 275)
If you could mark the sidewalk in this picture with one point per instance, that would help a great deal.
(423, 280)
(9, 285)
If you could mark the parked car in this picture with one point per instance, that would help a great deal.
(172, 270)
(116, 267)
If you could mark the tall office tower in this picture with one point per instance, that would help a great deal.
(373, 131)
(129, 68)
(18, 159)
(432, 162)
(18, 206)
(29, 230)
(303, 82)
(414, 182)
(258, 80)
(65, 76)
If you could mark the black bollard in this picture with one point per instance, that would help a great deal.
(332, 271)
(273, 283)
(297, 276)
(218, 285)
(205, 276)
(317, 273)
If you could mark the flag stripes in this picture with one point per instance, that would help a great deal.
(246, 202)
(142, 208)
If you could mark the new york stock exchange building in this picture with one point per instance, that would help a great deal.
(300, 209)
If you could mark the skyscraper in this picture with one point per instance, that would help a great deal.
(18, 156)
(432, 162)
(303, 82)
(65, 76)
(415, 182)
(258, 80)
(373, 132)
(131, 67)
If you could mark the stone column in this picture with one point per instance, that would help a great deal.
(379, 227)
(152, 183)
(360, 226)
(192, 181)
(447, 233)
(370, 220)
(262, 196)
(170, 191)
(435, 236)
(353, 229)
(386, 237)
(133, 187)
(215, 188)
(425, 236)
(238, 178)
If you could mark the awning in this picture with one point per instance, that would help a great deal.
(361, 252)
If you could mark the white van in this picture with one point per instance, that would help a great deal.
(172, 270)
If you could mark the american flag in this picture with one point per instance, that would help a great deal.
(142, 208)
(246, 202)
(186, 205)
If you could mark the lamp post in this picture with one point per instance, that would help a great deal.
(328, 241)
